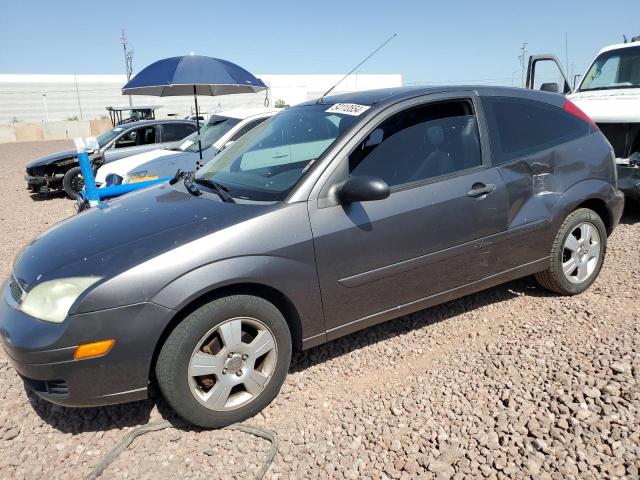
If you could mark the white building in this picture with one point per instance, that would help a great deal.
(35, 98)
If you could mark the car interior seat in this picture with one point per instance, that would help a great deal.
(436, 162)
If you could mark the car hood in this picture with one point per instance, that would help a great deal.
(128, 231)
(124, 165)
(609, 106)
(54, 157)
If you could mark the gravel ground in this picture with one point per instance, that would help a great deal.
(512, 382)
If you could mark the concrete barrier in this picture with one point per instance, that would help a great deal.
(62, 130)
(100, 126)
(7, 134)
(28, 132)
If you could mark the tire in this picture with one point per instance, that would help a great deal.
(566, 253)
(72, 182)
(205, 334)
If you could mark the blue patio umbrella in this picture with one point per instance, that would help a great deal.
(193, 75)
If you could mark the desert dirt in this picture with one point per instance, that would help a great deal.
(513, 382)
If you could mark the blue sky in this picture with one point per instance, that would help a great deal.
(452, 41)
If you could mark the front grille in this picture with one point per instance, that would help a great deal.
(16, 290)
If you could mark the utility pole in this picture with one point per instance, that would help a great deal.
(522, 58)
(128, 57)
(75, 77)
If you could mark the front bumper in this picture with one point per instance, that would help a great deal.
(42, 353)
(39, 181)
(629, 180)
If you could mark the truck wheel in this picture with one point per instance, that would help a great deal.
(576, 255)
(72, 182)
(225, 361)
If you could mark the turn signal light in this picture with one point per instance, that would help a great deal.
(94, 349)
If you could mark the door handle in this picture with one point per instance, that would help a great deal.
(480, 190)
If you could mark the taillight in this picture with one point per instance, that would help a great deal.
(572, 109)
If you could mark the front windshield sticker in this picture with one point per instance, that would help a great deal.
(348, 109)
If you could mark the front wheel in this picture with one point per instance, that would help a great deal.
(225, 361)
(73, 182)
(576, 255)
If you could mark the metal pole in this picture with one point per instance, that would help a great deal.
(195, 98)
(46, 111)
(78, 94)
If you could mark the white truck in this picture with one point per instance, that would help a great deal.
(609, 93)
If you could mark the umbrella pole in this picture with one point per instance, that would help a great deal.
(195, 99)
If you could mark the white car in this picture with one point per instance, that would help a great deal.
(222, 129)
(609, 94)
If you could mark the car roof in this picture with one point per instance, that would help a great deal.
(243, 113)
(619, 46)
(142, 123)
(388, 96)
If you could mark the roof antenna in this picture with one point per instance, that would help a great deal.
(625, 38)
(321, 99)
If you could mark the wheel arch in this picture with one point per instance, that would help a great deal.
(600, 207)
(594, 194)
(270, 294)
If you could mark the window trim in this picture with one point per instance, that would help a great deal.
(337, 171)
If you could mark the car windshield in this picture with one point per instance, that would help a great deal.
(266, 163)
(106, 137)
(614, 69)
(210, 133)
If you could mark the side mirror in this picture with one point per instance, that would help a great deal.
(550, 87)
(113, 179)
(363, 188)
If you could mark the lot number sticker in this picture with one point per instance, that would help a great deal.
(348, 109)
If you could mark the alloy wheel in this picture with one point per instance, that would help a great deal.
(232, 363)
(581, 252)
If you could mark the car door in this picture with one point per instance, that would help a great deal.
(547, 67)
(379, 259)
(133, 141)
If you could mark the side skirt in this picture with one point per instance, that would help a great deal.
(400, 310)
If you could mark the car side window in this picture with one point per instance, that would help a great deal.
(174, 132)
(519, 127)
(246, 128)
(138, 136)
(420, 143)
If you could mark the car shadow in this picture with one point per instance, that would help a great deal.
(116, 417)
(42, 197)
(301, 361)
(631, 214)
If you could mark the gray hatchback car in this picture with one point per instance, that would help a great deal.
(332, 216)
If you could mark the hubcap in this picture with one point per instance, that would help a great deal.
(232, 363)
(581, 253)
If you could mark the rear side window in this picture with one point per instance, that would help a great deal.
(177, 131)
(520, 127)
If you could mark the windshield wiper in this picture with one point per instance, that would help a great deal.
(221, 190)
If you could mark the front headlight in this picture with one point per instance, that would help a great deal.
(51, 300)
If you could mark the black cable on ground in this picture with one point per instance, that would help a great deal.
(109, 458)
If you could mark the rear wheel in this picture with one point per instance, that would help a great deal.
(72, 182)
(226, 361)
(577, 254)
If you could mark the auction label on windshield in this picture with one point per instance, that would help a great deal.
(348, 109)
